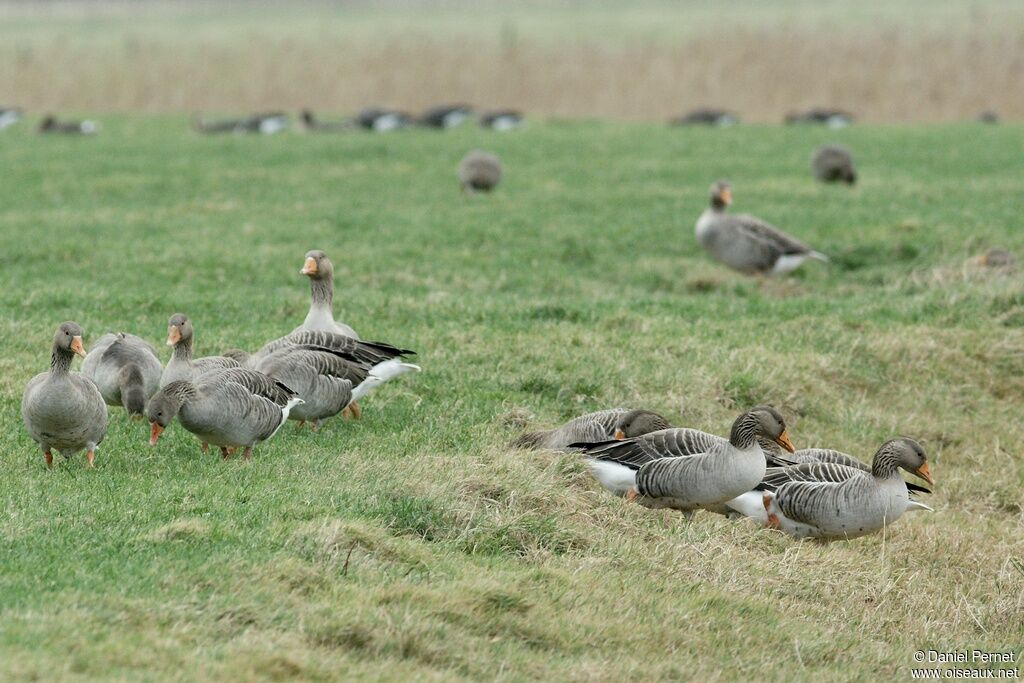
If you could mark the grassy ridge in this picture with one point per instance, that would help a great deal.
(412, 543)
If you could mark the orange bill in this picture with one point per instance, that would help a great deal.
(173, 335)
(155, 433)
(77, 347)
(309, 268)
(783, 440)
(925, 474)
(619, 435)
(727, 196)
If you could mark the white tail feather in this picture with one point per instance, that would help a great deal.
(381, 373)
(615, 477)
(292, 402)
(818, 255)
(917, 505)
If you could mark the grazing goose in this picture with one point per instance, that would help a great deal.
(833, 118)
(125, 369)
(479, 171)
(657, 470)
(267, 123)
(833, 164)
(231, 408)
(50, 124)
(311, 123)
(9, 116)
(746, 243)
(446, 116)
(182, 366)
(320, 271)
(64, 410)
(604, 425)
(706, 117)
(319, 377)
(830, 500)
(383, 120)
(502, 120)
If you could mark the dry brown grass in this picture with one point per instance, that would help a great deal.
(917, 62)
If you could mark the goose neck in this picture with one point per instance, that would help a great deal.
(60, 361)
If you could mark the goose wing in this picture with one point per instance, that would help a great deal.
(768, 236)
(666, 443)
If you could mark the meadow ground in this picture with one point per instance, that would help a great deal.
(412, 543)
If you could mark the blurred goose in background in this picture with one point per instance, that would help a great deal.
(988, 116)
(997, 258)
(320, 271)
(381, 120)
(502, 119)
(655, 471)
(231, 408)
(829, 500)
(445, 116)
(64, 410)
(267, 123)
(479, 172)
(604, 425)
(746, 243)
(182, 366)
(832, 118)
(311, 123)
(50, 124)
(833, 164)
(126, 370)
(9, 116)
(706, 117)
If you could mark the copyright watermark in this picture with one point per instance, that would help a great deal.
(966, 665)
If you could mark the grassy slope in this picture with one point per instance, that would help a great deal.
(411, 542)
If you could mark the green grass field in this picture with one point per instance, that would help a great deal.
(412, 543)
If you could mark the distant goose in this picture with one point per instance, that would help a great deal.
(311, 123)
(50, 124)
(746, 243)
(833, 118)
(126, 370)
(707, 117)
(320, 271)
(445, 116)
(833, 501)
(479, 171)
(64, 410)
(833, 164)
(988, 116)
(997, 258)
(9, 116)
(230, 408)
(383, 120)
(604, 425)
(182, 366)
(502, 119)
(267, 123)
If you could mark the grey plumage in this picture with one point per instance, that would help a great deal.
(382, 120)
(182, 366)
(502, 119)
(593, 428)
(63, 410)
(320, 271)
(706, 116)
(445, 116)
(479, 171)
(125, 369)
(265, 123)
(51, 125)
(323, 379)
(832, 118)
(311, 123)
(833, 164)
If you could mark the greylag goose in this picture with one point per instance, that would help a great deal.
(502, 120)
(832, 118)
(64, 410)
(445, 116)
(125, 369)
(833, 164)
(657, 470)
(267, 123)
(988, 116)
(381, 120)
(311, 123)
(50, 124)
(997, 258)
(231, 408)
(706, 117)
(182, 366)
(321, 378)
(479, 171)
(746, 243)
(320, 271)
(604, 425)
(828, 500)
(9, 116)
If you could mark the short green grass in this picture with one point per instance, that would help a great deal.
(412, 544)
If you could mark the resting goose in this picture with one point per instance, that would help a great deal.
(446, 116)
(182, 366)
(830, 500)
(383, 120)
(706, 117)
(604, 425)
(833, 164)
(657, 470)
(479, 171)
(502, 120)
(832, 118)
(988, 116)
(746, 243)
(9, 116)
(231, 408)
(311, 123)
(50, 124)
(64, 410)
(320, 318)
(267, 123)
(125, 369)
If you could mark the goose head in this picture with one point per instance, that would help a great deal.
(179, 329)
(639, 422)
(721, 195)
(317, 266)
(164, 406)
(905, 453)
(68, 339)
(762, 422)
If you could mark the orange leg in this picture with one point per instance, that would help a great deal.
(49, 457)
(300, 424)
(206, 447)
(773, 519)
(632, 494)
(247, 453)
(91, 457)
(357, 412)
(224, 452)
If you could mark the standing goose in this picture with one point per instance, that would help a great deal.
(830, 500)
(125, 369)
(231, 408)
(182, 366)
(746, 243)
(479, 171)
(657, 471)
(50, 124)
(64, 410)
(833, 164)
(602, 426)
(320, 318)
